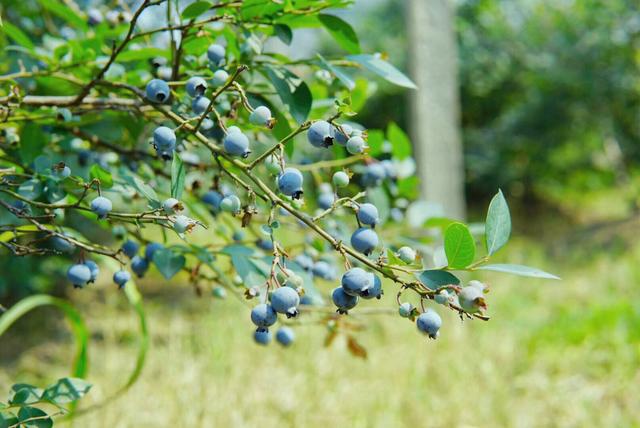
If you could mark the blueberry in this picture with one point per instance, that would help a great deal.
(343, 133)
(364, 240)
(373, 175)
(260, 116)
(356, 281)
(79, 275)
(200, 104)
(443, 297)
(121, 277)
(429, 322)
(290, 182)
(219, 292)
(157, 91)
(262, 336)
(263, 315)
(238, 236)
(264, 244)
(151, 250)
(183, 224)
(130, 248)
(93, 268)
(325, 200)
(471, 299)
(321, 134)
(340, 179)
(171, 206)
(405, 310)
(236, 144)
(230, 204)
(62, 245)
(389, 168)
(216, 54)
(324, 270)
(164, 72)
(285, 336)
(213, 199)
(233, 129)
(101, 206)
(85, 157)
(164, 138)
(61, 170)
(304, 261)
(139, 266)
(374, 291)
(407, 254)
(196, 86)
(219, 78)
(343, 301)
(356, 145)
(285, 300)
(368, 214)
(94, 17)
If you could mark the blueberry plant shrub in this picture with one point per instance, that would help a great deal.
(180, 137)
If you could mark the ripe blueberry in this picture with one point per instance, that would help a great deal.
(62, 245)
(373, 175)
(139, 266)
(230, 204)
(196, 86)
(375, 291)
(343, 301)
(151, 250)
(213, 199)
(79, 275)
(356, 145)
(290, 183)
(101, 206)
(93, 268)
(263, 315)
(368, 214)
(219, 78)
(216, 54)
(325, 200)
(429, 322)
(121, 277)
(304, 261)
(261, 116)
(405, 310)
(343, 133)
(324, 270)
(285, 300)
(262, 336)
(236, 144)
(321, 134)
(157, 91)
(364, 240)
(130, 248)
(200, 104)
(356, 281)
(285, 336)
(164, 139)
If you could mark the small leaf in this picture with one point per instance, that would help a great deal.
(519, 270)
(293, 92)
(177, 177)
(400, 143)
(437, 278)
(23, 393)
(341, 32)
(141, 54)
(459, 246)
(356, 348)
(284, 33)
(17, 35)
(168, 262)
(393, 260)
(34, 417)
(498, 224)
(346, 80)
(97, 172)
(196, 9)
(66, 390)
(383, 69)
(8, 419)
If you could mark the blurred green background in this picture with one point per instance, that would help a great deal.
(550, 109)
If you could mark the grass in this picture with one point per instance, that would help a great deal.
(555, 354)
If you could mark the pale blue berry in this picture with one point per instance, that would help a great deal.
(216, 54)
(407, 254)
(101, 206)
(157, 91)
(200, 104)
(79, 275)
(171, 206)
(343, 301)
(230, 204)
(405, 310)
(260, 116)
(342, 134)
(375, 291)
(196, 86)
(285, 300)
(368, 214)
(340, 179)
(325, 200)
(356, 145)
(139, 266)
(285, 336)
(236, 144)
(212, 198)
(321, 134)
(262, 336)
(429, 322)
(121, 277)
(364, 240)
(62, 245)
(93, 268)
(357, 281)
(263, 315)
(290, 182)
(219, 78)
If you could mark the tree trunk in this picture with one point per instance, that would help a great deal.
(435, 106)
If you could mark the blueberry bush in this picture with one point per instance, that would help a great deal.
(181, 137)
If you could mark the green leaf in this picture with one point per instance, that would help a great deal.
(168, 262)
(177, 177)
(375, 140)
(519, 270)
(383, 69)
(65, 13)
(78, 327)
(8, 419)
(196, 9)
(34, 417)
(346, 80)
(393, 260)
(105, 177)
(284, 33)
(341, 32)
(23, 393)
(32, 141)
(400, 143)
(66, 390)
(498, 224)
(437, 278)
(17, 35)
(459, 246)
(293, 92)
(142, 54)
(140, 186)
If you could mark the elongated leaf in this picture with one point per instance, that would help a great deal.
(66, 390)
(177, 177)
(17, 35)
(346, 80)
(196, 9)
(64, 12)
(498, 224)
(519, 270)
(105, 177)
(436, 278)
(400, 143)
(141, 54)
(341, 32)
(80, 332)
(293, 92)
(284, 33)
(383, 69)
(459, 246)
(33, 417)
